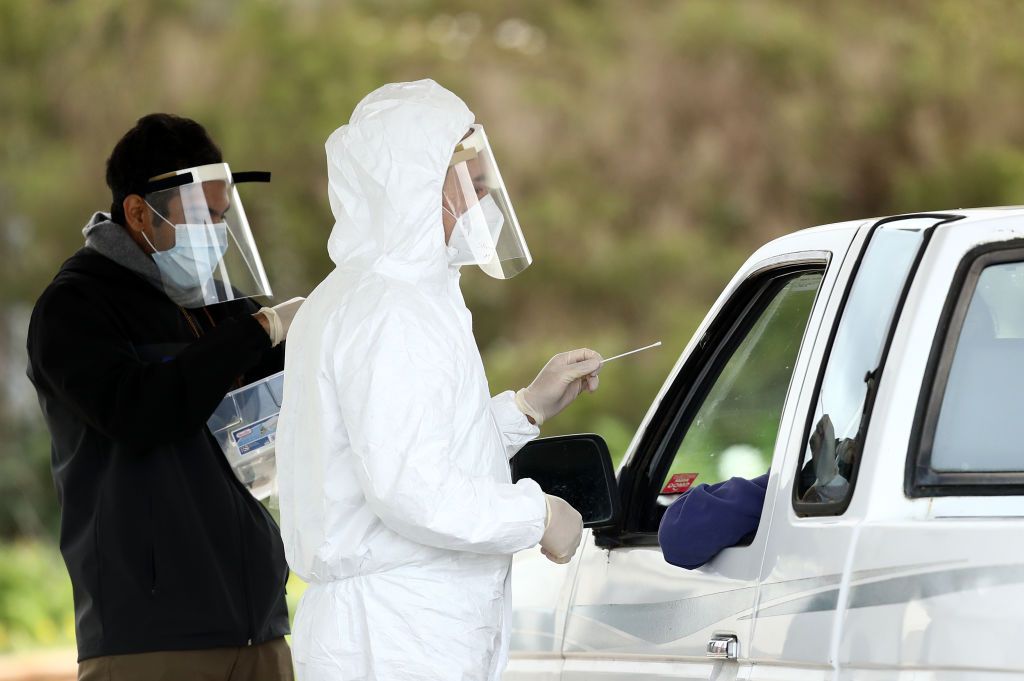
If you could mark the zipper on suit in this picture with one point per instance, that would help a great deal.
(196, 326)
(245, 568)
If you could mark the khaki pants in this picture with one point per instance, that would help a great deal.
(270, 661)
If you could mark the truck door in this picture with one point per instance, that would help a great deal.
(806, 572)
(720, 414)
(943, 496)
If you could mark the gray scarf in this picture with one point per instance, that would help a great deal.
(112, 241)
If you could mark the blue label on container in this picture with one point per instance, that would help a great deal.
(256, 435)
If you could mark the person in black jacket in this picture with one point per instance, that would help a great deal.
(175, 567)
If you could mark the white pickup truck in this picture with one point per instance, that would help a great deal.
(890, 546)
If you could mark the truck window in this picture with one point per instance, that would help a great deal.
(735, 426)
(831, 457)
(980, 426)
(971, 437)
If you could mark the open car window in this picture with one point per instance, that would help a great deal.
(728, 421)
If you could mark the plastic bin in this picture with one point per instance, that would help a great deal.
(245, 426)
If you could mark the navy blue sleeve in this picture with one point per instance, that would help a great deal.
(709, 518)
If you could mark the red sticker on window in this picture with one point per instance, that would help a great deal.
(679, 483)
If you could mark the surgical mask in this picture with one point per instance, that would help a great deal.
(198, 249)
(475, 234)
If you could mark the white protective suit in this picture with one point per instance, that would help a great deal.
(397, 504)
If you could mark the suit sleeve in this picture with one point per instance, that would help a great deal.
(516, 430)
(76, 349)
(709, 518)
(396, 389)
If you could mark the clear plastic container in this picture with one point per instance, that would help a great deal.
(245, 426)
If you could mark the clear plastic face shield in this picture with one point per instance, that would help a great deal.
(201, 241)
(486, 232)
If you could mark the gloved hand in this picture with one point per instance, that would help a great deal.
(279, 318)
(560, 382)
(563, 531)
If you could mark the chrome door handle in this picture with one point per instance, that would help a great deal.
(723, 647)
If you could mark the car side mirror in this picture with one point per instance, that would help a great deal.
(577, 468)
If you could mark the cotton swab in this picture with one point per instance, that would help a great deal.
(646, 347)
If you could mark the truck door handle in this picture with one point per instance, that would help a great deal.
(723, 647)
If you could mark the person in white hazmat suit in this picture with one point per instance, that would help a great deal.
(397, 504)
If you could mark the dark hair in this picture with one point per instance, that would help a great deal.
(159, 143)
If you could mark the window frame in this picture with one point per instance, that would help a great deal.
(920, 479)
(643, 475)
(808, 509)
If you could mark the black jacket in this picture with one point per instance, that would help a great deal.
(165, 548)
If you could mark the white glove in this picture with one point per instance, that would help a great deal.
(560, 382)
(563, 531)
(279, 318)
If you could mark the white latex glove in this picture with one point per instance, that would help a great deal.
(279, 318)
(561, 381)
(563, 531)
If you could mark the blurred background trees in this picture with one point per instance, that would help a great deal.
(649, 147)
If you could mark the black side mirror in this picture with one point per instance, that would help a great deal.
(577, 468)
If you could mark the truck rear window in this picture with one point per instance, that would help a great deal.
(980, 428)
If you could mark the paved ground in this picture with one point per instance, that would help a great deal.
(44, 665)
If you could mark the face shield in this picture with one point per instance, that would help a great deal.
(201, 241)
(486, 231)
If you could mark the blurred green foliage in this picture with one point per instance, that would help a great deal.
(649, 147)
(35, 597)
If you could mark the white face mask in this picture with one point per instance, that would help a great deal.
(474, 237)
(198, 249)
